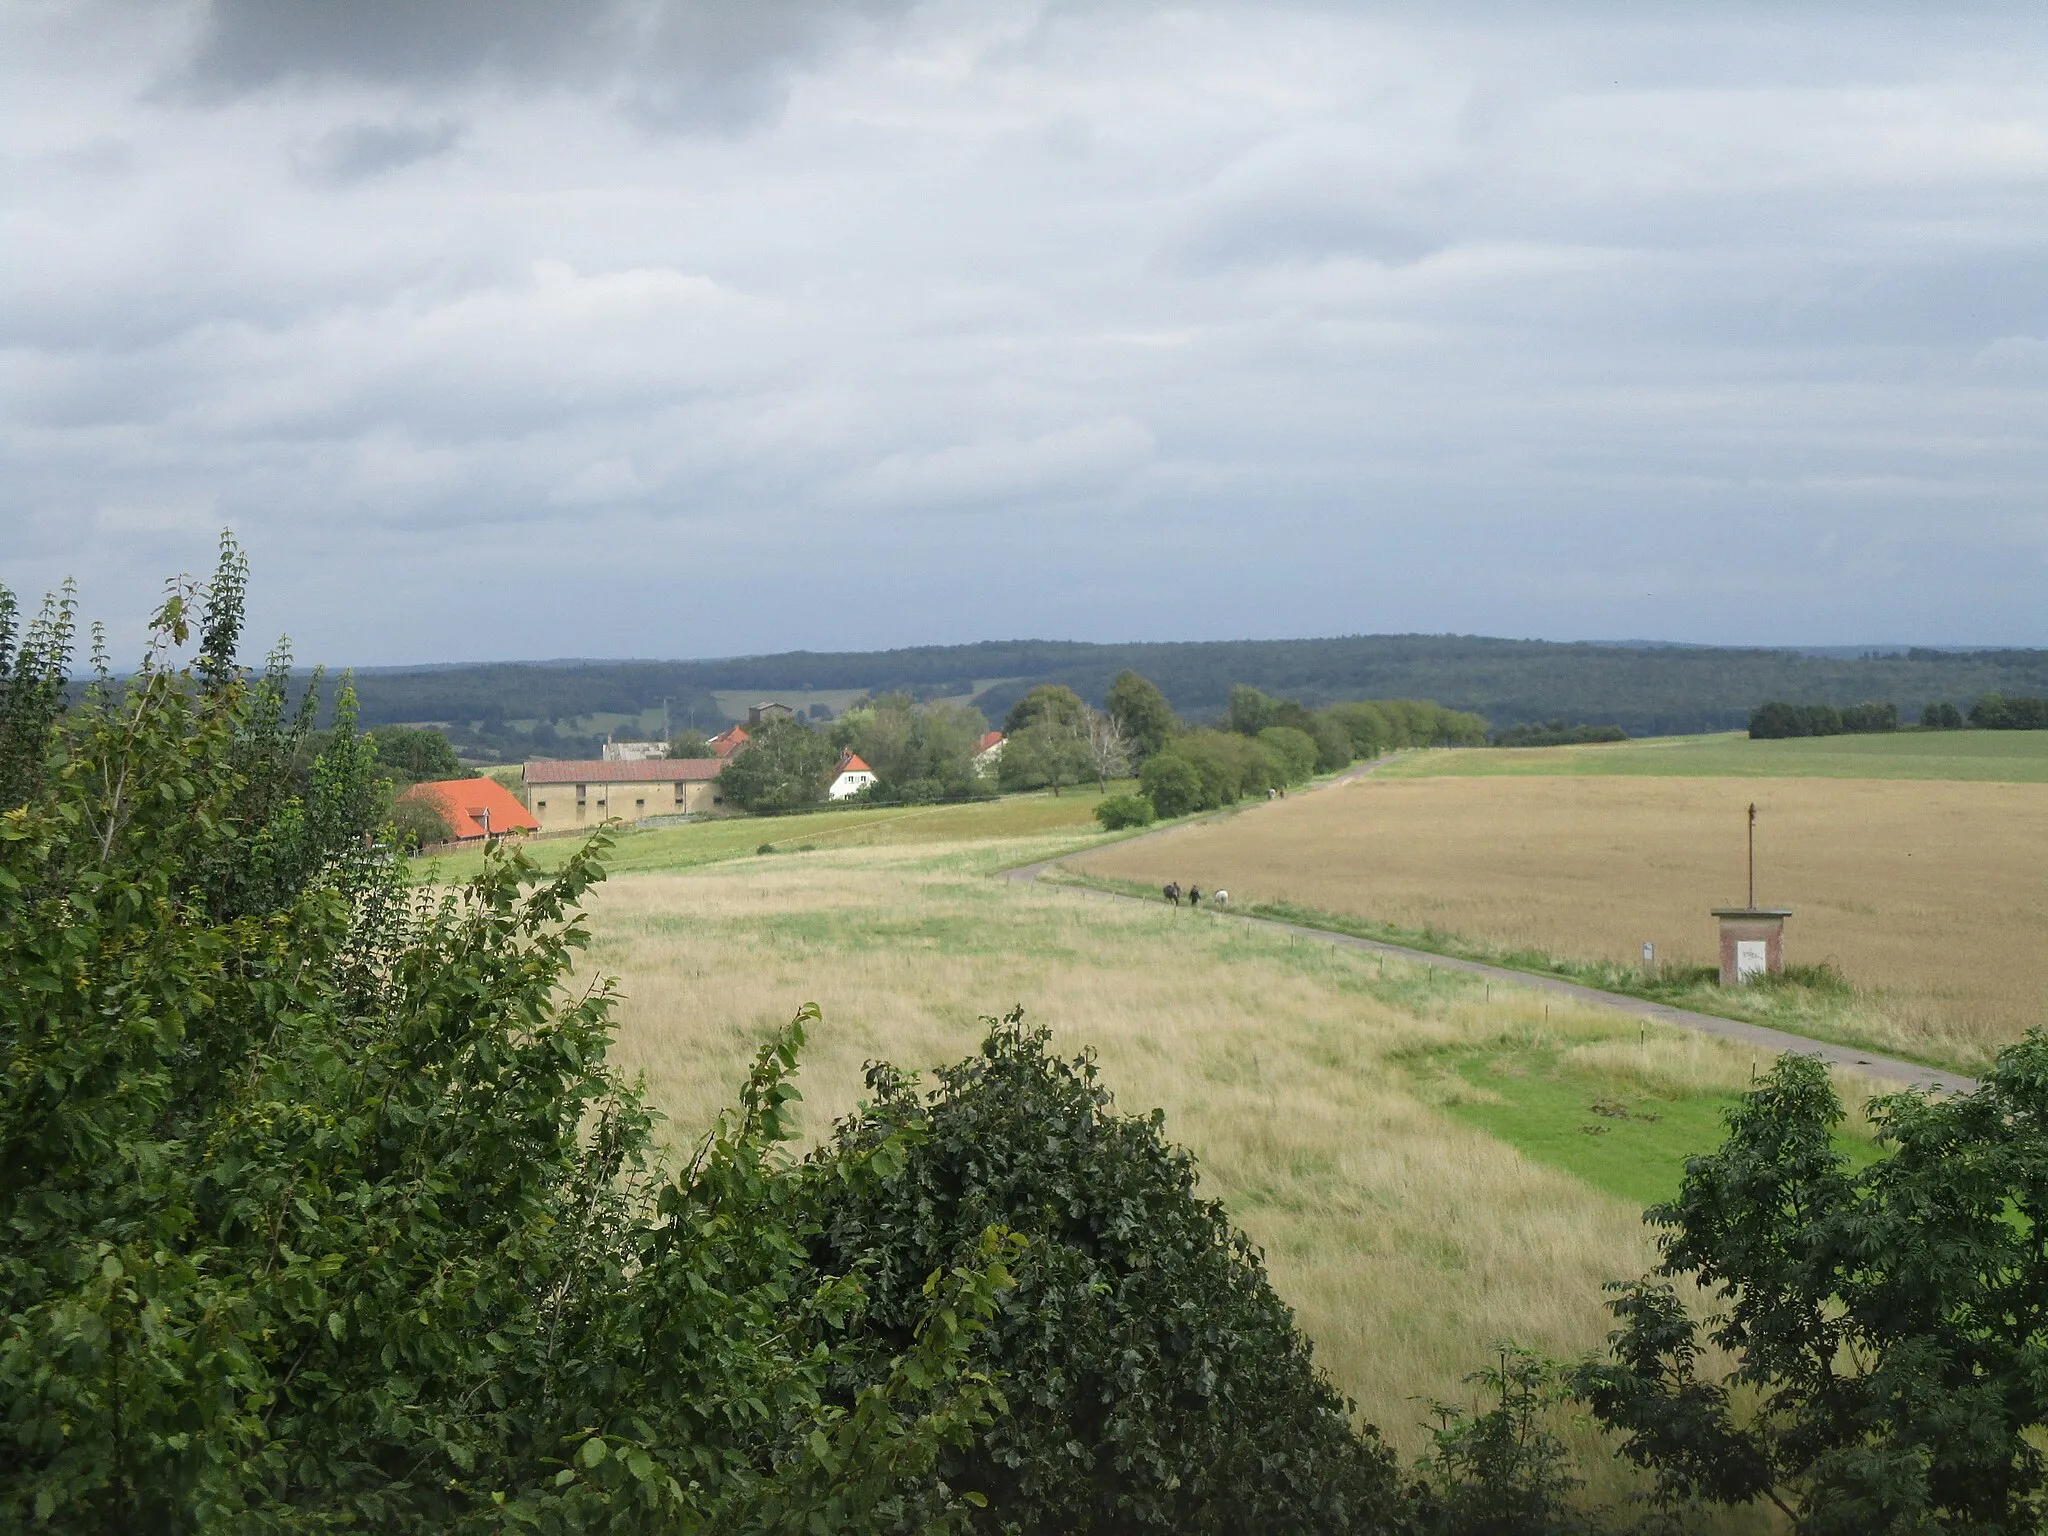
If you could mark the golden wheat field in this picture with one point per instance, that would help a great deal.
(1298, 1073)
(1931, 895)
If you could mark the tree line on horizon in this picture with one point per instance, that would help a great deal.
(1779, 720)
(514, 710)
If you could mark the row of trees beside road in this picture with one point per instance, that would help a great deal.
(1260, 744)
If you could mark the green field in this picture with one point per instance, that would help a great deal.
(1621, 1132)
(692, 844)
(2013, 757)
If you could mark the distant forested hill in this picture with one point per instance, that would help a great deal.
(1645, 689)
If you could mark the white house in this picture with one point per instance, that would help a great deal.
(850, 777)
(988, 752)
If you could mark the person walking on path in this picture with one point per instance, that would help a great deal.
(1194, 896)
(1172, 892)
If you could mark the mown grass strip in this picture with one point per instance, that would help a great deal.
(1619, 1137)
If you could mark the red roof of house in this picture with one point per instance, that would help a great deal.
(993, 738)
(728, 741)
(659, 770)
(849, 762)
(474, 807)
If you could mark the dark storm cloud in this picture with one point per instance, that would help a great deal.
(681, 64)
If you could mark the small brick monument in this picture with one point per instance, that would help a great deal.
(1752, 937)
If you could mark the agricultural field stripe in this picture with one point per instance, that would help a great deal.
(1775, 1041)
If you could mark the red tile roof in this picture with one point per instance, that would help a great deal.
(473, 807)
(849, 762)
(727, 742)
(660, 770)
(993, 738)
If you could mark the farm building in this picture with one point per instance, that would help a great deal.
(850, 777)
(474, 808)
(567, 795)
(768, 709)
(728, 741)
(989, 751)
(634, 751)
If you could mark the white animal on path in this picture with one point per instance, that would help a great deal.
(1219, 898)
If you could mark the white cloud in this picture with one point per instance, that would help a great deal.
(1094, 457)
(1472, 313)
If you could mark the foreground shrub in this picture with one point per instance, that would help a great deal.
(1154, 1381)
(1891, 1323)
(320, 1206)
(1116, 812)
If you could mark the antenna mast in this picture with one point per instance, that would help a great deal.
(1752, 855)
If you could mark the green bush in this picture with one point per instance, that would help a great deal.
(1333, 744)
(1777, 721)
(785, 766)
(1116, 812)
(1171, 783)
(1295, 749)
(417, 823)
(1884, 1327)
(414, 755)
(1555, 733)
(1153, 1379)
(1941, 717)
(1994, 712)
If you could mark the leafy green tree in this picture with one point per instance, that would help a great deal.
(1049, 702)
(1116, 812)
(2000, 712)
(1333, 744)
(1154, 1380)
(785, 766)
(322, 1208)
(33, 665)
(689, 744)
(1047, 753)
(1941, 717)
(416, 755)
(417, 823)
(1171, 783)
(1503, 1472)
(1137, 705)
(919, 752)
(1231, 766)
(1889, 1324)
(1295, 749)
(1372, 732)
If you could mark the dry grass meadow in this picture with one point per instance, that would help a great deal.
(1307, 1079)
(1930, 896)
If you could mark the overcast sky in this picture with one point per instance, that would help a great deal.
(518, 328)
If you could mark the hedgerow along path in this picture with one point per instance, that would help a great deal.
(1765, 1040)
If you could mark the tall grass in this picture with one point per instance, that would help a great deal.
(1405, 1240)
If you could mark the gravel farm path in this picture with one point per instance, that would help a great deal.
(1774, 1042)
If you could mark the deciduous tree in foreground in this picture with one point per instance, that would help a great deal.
(322, 1208)
(1890, 1326)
